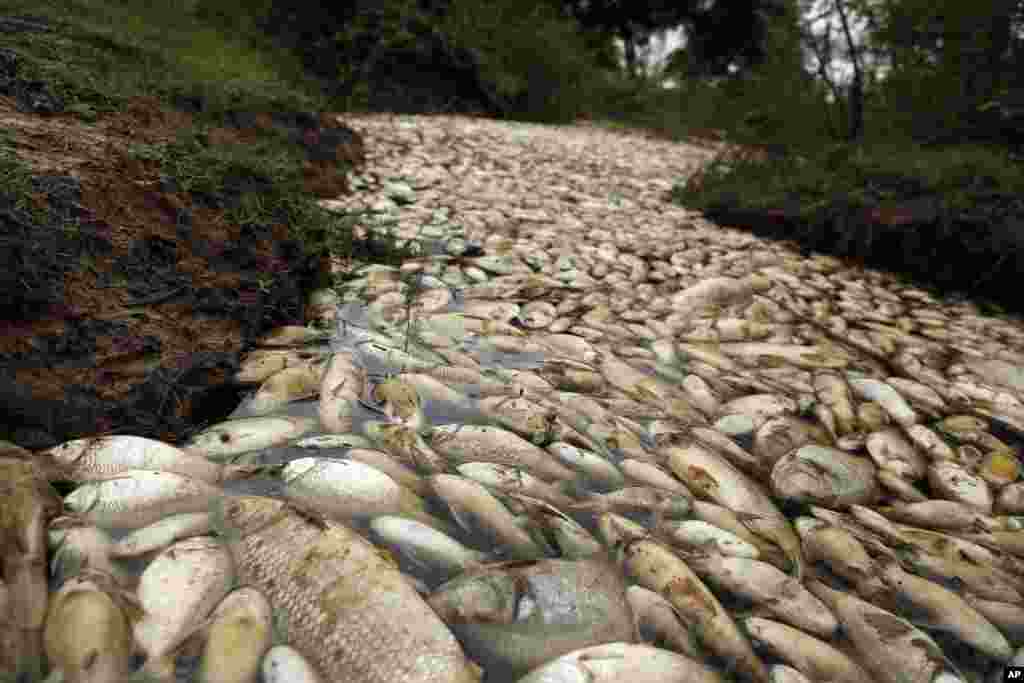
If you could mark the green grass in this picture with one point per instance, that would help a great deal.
(103, 52)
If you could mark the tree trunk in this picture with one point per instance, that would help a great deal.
(856, 97)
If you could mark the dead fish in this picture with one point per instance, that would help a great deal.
(841, 551)
(727, 447)
(76, 546)
(469, 443)
(717, 291)
(514, 617)
(833, 391)
(430, 388)
(651, 474)
(560, 535)
(260, 364)
(765, 586)
(136, 498)
(875, 390)
(477, 511)
(509, 479)
(780, 673)
(780, 435)
(178, 590)
(285, 664)
(103, 457)
(813, 657)
(656, 567)
(760, 407)
(951, 480)
(712, 477)
(893, 452)
(432, 552)
(400, 472)
(406, 445)
(825, 476)
(88, 637)
(597, 471)
(342, 385)
(341, 598)
(659, 623)
(293, 335)
(161, 534)
(663, 504)
(526, 418)
(239, 635)
(400, 401)
(284, 387)
(890, 647)
(27, 504)
(944, 610)
(349, 490)
(696, 534)
(938, 514)
(234, 437)
(622, 662)
(332, 441)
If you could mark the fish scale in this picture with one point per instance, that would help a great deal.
(345, 605)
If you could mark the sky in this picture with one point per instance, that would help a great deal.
(664, 43)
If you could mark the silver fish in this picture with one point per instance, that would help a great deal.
(512, 618)
(341, 600)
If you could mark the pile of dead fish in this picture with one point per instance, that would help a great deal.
(702, 458)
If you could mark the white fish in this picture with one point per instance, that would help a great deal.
(476, 510)
(714, 478)
(433, 551)
(658, 568)
(599, 473)
(178, 591)
(614, 662)
(510, 479)
(162, 533)
(875, 390)
(76, 546)
(103, 457)
(694, 533)
(285, 664)
(467, 443)
(136, 498)
(234, 437)
(350, 490)
(325, 441)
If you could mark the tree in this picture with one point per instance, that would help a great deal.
(632, 21)
(967, 57)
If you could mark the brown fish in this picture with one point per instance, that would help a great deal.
(345, 605)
